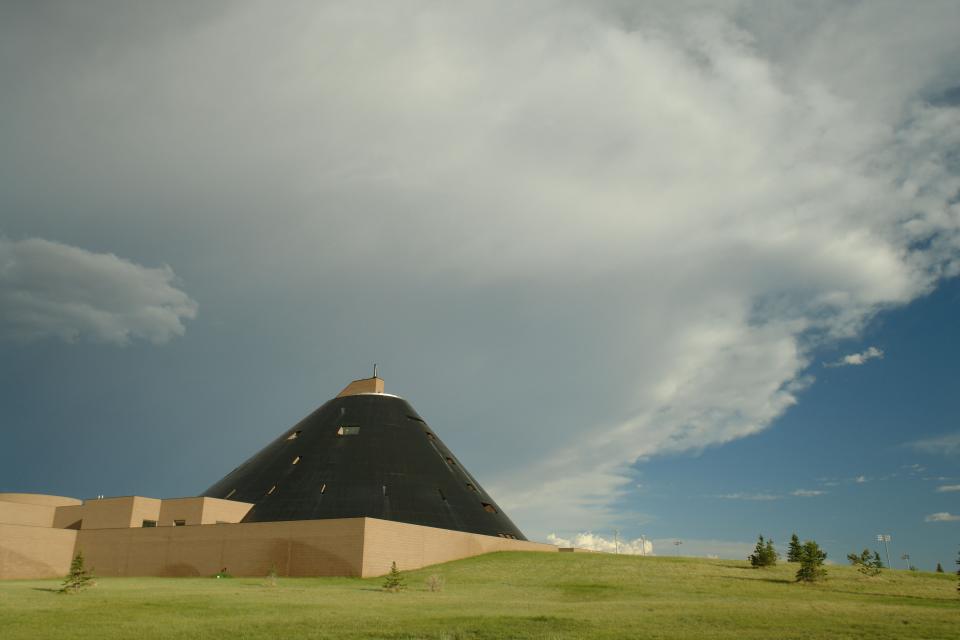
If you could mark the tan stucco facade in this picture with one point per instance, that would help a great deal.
(36, 543)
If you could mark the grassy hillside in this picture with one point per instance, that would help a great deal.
(503, 595)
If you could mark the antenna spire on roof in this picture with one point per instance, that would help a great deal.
(374, 369)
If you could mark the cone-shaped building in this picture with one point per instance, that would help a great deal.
(363, 454)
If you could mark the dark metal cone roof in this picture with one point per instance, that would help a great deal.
(366, 455)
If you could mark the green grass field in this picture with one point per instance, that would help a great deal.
(502, 595)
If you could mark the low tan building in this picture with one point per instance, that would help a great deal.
(137, 536)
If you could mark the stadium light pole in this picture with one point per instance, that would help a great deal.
(906, 558)
(885, 538)
(677, 544)
(616, 540)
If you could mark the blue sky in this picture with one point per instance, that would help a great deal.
(606, 249)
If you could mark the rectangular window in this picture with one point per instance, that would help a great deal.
(149, 523)
(323, 489)
(472, 488)
(179, 523)
(348, 431)
(296, 460)
(272, 489)
(451, 462)
(294, 435)
(232, 491)
(489, 508)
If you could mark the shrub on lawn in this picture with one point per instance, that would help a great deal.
(435, 582)
(271, 577)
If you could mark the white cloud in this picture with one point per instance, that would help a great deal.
(593, 542)
(860, 479)
(948, 488)
(694, 198)
(942, 516)
(748, 496)
(947, 445)
(49, 289)
(807, 493)
(857, 359)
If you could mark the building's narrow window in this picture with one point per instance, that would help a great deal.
(294, 435)
(442, 497)
(323, 489)
(179, 523)
(348, 430)
(296, 460)
(272, 489)
(416, 419)
(232, 491)
(472, 488)
(489, 508)
(451, 462)
(430, 436)
(149, 523)
(384, 488)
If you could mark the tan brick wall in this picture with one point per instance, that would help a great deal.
(412, 546)
(35, 552)
(66, 516)
(110, 513)
(301, 548)
(38, 499)
(216, 510)
(188, 509)
(201, 511)
(33, 515)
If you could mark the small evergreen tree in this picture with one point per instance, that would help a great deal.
(394, 580)
(770, 554)
(939, 568)
(866, 563)
(958, 572)
(793, 552)
(79, 578)
(764, 554)
(811, 562)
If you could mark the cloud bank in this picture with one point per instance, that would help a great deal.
(49, 289)
(593, 542)
(946, 445)
(942, 516)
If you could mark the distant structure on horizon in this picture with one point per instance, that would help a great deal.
(360, 483)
